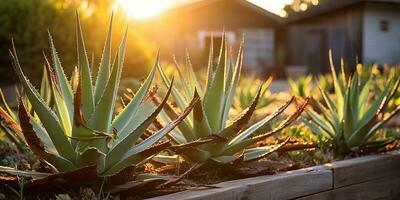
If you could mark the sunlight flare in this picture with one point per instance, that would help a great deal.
(140, 9)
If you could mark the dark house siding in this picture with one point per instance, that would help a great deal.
(310, 39)
(228, 13)
(178, 29)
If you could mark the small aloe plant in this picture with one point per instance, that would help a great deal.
(209, 134)
(352, 119)
(302, 86)
(83, 137)
(245, 93)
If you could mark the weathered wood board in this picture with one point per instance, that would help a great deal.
(282, 186)
(365, 168)
(364, 178)
(382, 188)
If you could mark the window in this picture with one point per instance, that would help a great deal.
(205, 37)
(384, 25)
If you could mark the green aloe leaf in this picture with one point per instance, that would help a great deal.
(36, 144)
(321, 121)
(164, 159)
(21, 173)
(102, 116)
(166, 129)
(373, 110)
(105, 65)
(379, 125)
(193, 80)
(135, 153)
(123, 145)
(85, 73)
(62, 80)
(364, 94)
(178, 97)
(338, 89)
(328, 116)
(45, 89)
(126, 115)
(261, 152)
(59, 102)
(210, 66)
(237, 125)
(215, 94)
(222, 160)
(200, 122)
(186, 125)
(255, 128)
(186, 87)
(232, 86)
(47, 116)
(83, 137)
(145, 111)
(317, 130)
(238, 145)
(328, 100)
(91, 156)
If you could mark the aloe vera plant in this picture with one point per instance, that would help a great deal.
(302, 86)
(380, 77)
(352, 119)
(78, 134)
(246, 91)
(209, 134)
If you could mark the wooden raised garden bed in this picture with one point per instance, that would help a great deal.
(368, 177)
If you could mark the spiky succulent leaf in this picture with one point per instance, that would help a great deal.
(352, 119)
(260, 152)
(201, 125)
(37, 146)
(237, 145)
(103, 113)
(240, 122)
(123, 145)
(45, 89)
(259, 126)
(62, 80)
(138, 152)
(46, 115)
(210, 66)
(105, 66)
(97, 144)
(59, 102)
(126, 115)
(178, 97)
(85, 73)
(231, 85)
(21, 173)
(207, 135)
(214, 96)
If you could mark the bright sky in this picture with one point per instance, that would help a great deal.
(140, 9)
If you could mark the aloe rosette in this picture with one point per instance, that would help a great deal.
(209, 134)
(78, 134)
(353, 118)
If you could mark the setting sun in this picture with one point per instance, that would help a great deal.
(140, 9)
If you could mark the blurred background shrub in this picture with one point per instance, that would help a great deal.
(27, 22)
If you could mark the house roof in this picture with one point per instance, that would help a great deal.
(331, 6)
(195, 4)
